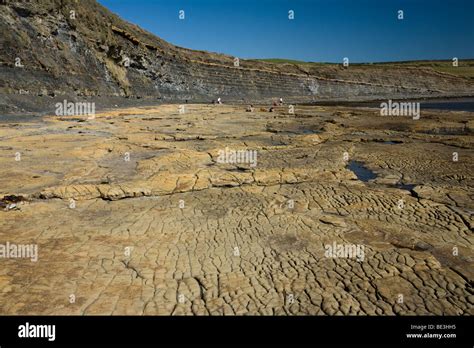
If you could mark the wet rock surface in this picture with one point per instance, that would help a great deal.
(134, 213)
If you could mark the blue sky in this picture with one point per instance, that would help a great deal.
(322, 30)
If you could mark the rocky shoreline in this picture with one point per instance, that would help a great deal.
(133, 212)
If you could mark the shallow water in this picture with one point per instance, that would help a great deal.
(407, 187)
(364, 174)
(453, 104)
(20, 118)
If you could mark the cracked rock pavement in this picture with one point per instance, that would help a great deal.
(133, 213)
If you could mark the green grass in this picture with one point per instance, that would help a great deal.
(287, 61)
(465, 67)
(461, 71)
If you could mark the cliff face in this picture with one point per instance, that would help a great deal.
(61, 48)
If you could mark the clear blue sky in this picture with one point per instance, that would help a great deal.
(322, 31)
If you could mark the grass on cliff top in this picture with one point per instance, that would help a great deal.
(289, 61)
(465, 67)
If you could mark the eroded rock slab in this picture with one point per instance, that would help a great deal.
(133, 212)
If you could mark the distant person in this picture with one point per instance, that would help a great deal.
(219, 101)
(281, 101)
